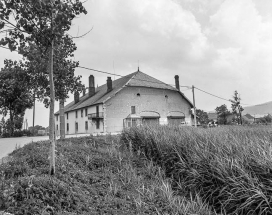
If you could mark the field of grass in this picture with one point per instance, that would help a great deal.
(229, 168)
(94, 175)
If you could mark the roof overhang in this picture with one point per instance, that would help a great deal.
(149, 114)
(191, 104)
(134, 116)
(176, 115)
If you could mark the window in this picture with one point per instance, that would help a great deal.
(67, 127)
(76, 126)
(134, 122)
(81, 112)
(86, 125)
(97, 124)
(57, 117)
(138, 94)
(86, 112)
(133, 110)
(57, 127)
(76, 113)
(67, 115)
(129, 124)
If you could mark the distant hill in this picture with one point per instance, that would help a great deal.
(259, 109)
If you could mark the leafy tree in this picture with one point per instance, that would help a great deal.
(36, 128)
(41, 22)
(265, 119)
(19, 121)
(2, 125)
(222, 114)
(237, 108)
(202, 116)
(15, 96)
(64, 78)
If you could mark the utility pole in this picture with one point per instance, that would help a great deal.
(33, 124)
(193, 89)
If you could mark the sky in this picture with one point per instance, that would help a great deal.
(218, 46)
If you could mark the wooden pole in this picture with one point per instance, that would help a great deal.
(193, 89)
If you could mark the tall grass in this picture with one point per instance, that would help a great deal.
(95, 175)
(228, 167)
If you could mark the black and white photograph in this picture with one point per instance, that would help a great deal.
(123, 107)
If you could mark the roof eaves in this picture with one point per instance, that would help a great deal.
(186, 99)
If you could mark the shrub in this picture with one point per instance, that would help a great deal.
(5, 135)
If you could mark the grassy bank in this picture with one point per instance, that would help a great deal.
(228, 167)
(94, 175)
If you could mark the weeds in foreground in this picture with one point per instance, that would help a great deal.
(229, 168)
(95, 175)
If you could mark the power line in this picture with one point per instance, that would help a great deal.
(229, 100)
(117, 74)
(150, 81)
(7, 48)
(213, 94)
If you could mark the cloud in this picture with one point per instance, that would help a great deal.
(217, 45)
(160, 33)
(243, 45)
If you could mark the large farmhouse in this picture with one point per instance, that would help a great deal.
(132, 100)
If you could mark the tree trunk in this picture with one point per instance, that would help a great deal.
(240, 113)
(52, 135)
(33, 115)
(62, 119)
(11, 122)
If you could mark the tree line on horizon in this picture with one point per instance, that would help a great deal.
(227, 117)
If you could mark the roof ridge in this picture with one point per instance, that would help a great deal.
(132, 77)
(157, 80)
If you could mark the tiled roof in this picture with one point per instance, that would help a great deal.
(248, 116)
(138, 79)
(141, 79)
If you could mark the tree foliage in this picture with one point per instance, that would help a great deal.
(236, 107)
(15, 94)
(65, 80)
(41, 22)
(202, 116)
(38, 21)
(222, 114)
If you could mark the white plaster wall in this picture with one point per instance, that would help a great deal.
(81, 121)
(150, 99)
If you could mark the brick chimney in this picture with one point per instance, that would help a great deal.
(76, 97)
(109, 84)
(84, 92)
(91, 86)
(177, 81)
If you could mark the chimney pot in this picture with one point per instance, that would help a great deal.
(76, 97)
(91, 85)
(109, 84)
(177, 81)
